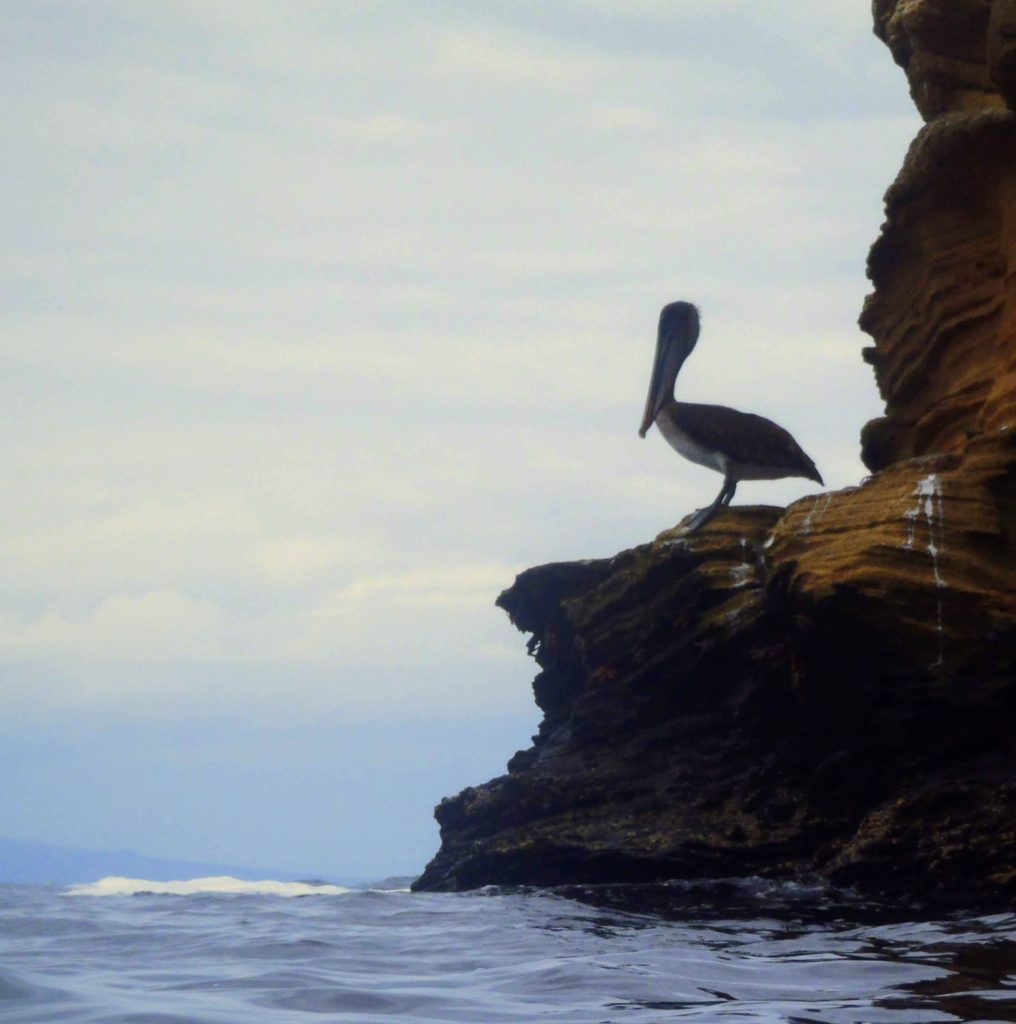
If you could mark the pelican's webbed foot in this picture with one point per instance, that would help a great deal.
(702, 516)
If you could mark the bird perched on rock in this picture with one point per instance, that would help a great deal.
(739, 445)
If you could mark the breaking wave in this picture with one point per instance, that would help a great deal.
(117, 886)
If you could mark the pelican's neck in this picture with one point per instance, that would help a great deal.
(677, 335)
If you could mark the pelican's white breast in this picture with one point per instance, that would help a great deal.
(686, 446)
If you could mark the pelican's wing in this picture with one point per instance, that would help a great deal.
(745, 437)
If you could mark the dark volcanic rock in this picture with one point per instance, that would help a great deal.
(828, 689)
(707, 715)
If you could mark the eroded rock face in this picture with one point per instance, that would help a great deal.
(943, 313)
(943, 47)
(828, 689)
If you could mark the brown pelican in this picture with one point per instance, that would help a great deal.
(739, 445)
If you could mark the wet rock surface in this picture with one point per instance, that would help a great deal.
(828, 689)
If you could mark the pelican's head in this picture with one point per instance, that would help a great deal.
(675, 338)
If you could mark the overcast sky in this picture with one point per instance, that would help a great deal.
(323, 319)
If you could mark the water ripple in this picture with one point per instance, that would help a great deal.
(637, 955)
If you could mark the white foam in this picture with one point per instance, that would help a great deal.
(114, 885)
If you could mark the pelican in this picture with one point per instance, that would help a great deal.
(739, 445)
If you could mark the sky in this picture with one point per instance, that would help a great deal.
(322, 320)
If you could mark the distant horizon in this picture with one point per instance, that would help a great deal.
(158, 866)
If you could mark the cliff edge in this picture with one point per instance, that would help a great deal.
(827, 689)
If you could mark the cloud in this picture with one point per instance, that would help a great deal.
(296, 561)
(468, 584)
(323, 319)
(421, 639)
(153, 627)
(519, 62)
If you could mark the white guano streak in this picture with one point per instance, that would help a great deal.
(745, 572)
(929, 506)
(818, 509)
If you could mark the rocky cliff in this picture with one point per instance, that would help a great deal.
(828, 689)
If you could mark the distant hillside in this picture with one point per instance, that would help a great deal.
(30, 862)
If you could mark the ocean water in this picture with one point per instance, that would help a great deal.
(218, 951)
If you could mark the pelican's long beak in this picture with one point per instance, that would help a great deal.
(667, 361)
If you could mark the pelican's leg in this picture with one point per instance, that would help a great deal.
(703, 515)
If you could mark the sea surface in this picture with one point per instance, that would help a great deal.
(219, 951)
